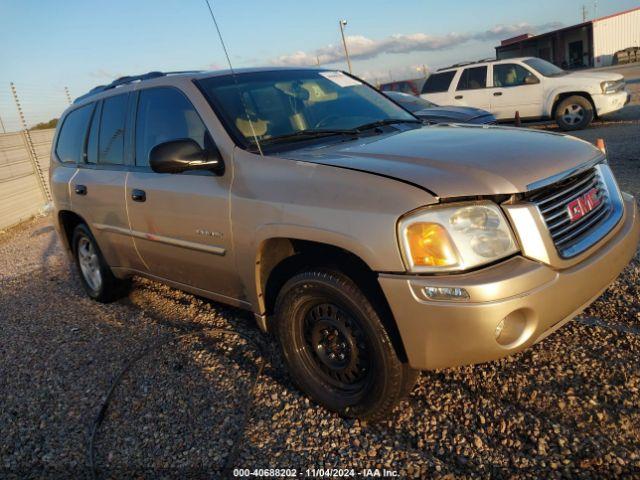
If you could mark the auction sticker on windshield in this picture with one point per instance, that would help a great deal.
(341, 79)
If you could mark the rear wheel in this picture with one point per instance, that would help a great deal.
(95, 275)
(336, 346)
(574, 113)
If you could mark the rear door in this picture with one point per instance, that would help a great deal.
(180, 222)
(515, 89)
(471, 89)
(97, 190)
(438, 88)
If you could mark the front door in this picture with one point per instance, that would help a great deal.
(515, 89)
(180, 222)
(471, 90)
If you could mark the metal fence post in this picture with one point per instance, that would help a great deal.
(28, 143)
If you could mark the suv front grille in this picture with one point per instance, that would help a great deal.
(578, 211)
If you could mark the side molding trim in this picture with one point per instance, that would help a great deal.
(214, 249)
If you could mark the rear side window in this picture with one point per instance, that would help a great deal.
(111, 138)
(165, 114)
(438, 82)
(473, 78)
(72, 135)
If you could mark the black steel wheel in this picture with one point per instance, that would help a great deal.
(336, 347)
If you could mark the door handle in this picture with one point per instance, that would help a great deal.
(458, 97)
(138, 195)
(497, 94)
(80, 189)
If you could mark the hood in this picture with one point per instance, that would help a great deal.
(451, 113)
(458, 160)
(602, 76)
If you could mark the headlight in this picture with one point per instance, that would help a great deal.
(611, 86)
(455, 237)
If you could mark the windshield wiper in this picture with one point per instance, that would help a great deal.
(382, 123)
(305, 134)
(311, 133)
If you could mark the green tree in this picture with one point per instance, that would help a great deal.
(45, 125)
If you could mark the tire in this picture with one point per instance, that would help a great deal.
(574, 113)
(409, 380)
(95, 275)
(320, 313)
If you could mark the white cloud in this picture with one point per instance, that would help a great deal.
(362, 48)
(377, 76)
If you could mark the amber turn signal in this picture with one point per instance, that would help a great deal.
(430, 245)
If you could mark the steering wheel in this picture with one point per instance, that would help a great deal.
(323, 121)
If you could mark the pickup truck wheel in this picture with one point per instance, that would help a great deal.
(95, 275)
(336, 347)
(574, 113)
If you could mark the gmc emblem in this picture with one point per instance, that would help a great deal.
(582, 205)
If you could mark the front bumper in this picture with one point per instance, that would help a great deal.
(610, 102)
(534, 298)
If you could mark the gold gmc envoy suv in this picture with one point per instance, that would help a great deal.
(372, 246)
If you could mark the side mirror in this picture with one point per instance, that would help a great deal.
(531, 80)
(178, 156)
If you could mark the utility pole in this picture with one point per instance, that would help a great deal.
(66, 91)
(343, 23)
(2, 125)
(584, 13)
(424, 70)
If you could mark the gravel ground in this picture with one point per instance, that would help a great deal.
(568, 407)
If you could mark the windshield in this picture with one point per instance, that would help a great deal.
(284, 102)
(411, 103)
(544, 68)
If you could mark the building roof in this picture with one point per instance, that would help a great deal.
(529, 36)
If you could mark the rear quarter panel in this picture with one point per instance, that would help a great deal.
(60, 176)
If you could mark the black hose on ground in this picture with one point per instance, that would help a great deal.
(233, 454)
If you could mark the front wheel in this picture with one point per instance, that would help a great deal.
(574, 113)
(337, 348)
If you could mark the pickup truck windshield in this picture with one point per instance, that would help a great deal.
(544, 68)
(294, 104)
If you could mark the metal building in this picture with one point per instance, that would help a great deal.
(589, 44)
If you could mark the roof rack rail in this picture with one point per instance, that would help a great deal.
(464, 64)
(130, 79)
(455, 65)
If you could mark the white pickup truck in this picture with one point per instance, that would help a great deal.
(533, 87)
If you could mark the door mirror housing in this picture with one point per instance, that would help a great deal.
(531, 80)
(179, 156)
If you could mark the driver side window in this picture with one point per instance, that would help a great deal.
(165, 114)
(509, 75)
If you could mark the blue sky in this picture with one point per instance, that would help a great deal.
(79, 44)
